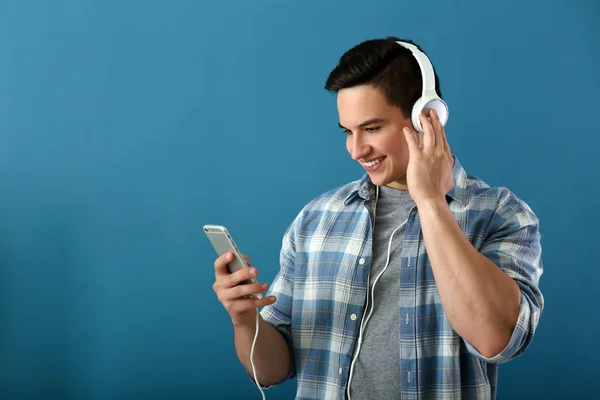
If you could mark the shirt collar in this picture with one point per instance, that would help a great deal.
(363, 188)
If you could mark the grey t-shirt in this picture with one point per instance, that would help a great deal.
(377, 370)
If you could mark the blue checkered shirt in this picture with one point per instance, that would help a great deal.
(322, 285)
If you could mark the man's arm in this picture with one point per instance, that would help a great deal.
(481, 301)
(271, 353)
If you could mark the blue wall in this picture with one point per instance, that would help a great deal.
(125, 126)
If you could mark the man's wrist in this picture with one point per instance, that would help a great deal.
(247, 322)
(431, 205)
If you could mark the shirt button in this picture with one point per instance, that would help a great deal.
(340, 370)
(361, 261)
(353, 317)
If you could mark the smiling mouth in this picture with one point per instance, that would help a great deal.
(374, 162)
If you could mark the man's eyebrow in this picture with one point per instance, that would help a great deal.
(368, 122)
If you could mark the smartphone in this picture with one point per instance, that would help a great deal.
(223, 243)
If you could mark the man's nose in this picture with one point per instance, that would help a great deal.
(359, 147)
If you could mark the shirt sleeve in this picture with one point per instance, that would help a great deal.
(279, 314)
(514, 246)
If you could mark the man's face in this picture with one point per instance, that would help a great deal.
(374, 134)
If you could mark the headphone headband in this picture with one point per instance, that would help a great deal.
(429, 98)
(424, 65)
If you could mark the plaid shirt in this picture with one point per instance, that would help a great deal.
(322, 285)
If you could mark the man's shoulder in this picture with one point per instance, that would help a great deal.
(329, 204)
(333, 199)
(502, 201)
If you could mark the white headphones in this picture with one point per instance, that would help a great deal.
(429, 98)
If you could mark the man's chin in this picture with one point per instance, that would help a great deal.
(378, 179)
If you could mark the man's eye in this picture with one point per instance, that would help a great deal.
(347, 131)
(372, 129)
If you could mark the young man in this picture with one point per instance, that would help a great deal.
(415, 281)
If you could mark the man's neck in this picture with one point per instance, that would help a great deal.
(398, 185)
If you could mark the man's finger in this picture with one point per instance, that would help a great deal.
(239, 276)
(241, 291)
(446, 144)
(437, 128)
(243, 305)
(221, 264)
(428, 133)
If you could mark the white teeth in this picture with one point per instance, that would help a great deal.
(371, 163)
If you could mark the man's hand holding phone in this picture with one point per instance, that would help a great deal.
(234, 295)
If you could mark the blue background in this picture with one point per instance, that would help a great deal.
(127, 125)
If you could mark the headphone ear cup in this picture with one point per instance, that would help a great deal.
(426, 103)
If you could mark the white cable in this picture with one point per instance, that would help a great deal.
(252, 355)
(372, 308)
(381, 273)
(364, 321)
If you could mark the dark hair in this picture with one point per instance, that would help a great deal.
(387, 66)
